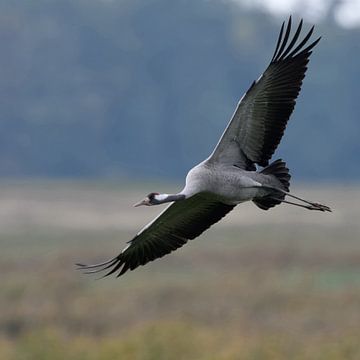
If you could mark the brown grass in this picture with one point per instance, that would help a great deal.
(283, 284)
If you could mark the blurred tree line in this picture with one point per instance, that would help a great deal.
(94, 88)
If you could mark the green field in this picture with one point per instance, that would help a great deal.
(282, 284)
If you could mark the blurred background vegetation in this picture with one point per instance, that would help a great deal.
(103, 101)
(125, 88)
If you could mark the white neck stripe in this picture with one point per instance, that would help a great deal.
(161, 197)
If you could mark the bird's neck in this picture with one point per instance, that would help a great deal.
(165, 198)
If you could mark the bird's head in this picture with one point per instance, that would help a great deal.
(150, 199)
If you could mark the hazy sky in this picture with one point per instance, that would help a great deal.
(345, 12)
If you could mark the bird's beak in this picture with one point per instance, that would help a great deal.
(142, 202)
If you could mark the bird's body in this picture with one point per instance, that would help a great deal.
(229, 176)
(230, 184)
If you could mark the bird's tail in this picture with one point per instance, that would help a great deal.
(281, 172)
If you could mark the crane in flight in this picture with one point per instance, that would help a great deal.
(229, 175)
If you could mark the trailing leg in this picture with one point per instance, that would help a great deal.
(311, 206)
(281, 198)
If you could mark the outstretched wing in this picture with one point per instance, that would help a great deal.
(181, 221)
(259, 121)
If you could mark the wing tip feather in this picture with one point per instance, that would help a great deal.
(285, 51)
(114, 263)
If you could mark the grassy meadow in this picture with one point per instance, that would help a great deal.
(281, 284)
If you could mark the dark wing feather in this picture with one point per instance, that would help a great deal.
(181, 221)
(259, 121)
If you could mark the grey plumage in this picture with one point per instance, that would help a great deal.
(228, 177)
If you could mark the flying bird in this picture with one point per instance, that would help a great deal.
(229, 176)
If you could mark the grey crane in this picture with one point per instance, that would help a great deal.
(229, 175)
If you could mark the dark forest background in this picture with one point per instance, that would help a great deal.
(117, 89)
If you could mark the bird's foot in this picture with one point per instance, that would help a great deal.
(320, 207)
